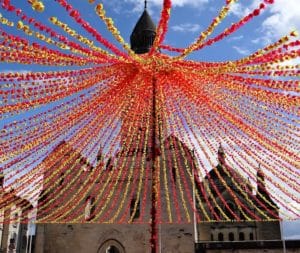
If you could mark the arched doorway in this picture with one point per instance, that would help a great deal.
(112, 249)
(111, 246)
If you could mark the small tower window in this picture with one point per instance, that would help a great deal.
(241, 236)
(231, 236)
(220, 237)
(251, 237)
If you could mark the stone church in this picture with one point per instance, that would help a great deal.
(68, 175)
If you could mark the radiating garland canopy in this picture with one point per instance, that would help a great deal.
(84, 133)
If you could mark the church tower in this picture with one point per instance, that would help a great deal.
(143, 34)
(137, 119)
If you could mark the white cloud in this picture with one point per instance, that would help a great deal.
(283, 17)
(187, 27)
(139, 5)
(181, 3)
(257, 41)
(240, 10)
(235, 38)
(242, 51)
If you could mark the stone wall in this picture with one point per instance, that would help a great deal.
(131, 238)
(271, 246)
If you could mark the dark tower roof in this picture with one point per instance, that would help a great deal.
(143, 35)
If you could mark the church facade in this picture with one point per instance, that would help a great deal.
(114, 216)
(134, 236)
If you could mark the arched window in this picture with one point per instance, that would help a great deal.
(220, 237)
(211, 237)
(241, 236)
(112, 249)
(111, 246)
(251, 237)
(231, 236)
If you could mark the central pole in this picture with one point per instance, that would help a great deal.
(154, 229)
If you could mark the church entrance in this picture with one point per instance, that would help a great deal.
(111, 246)
(112, 249)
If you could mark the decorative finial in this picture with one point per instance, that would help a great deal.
(221, 149)
(145, 4)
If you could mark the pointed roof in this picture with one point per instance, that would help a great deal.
(174, 140)
(143, 34)
(144, 23)
(260, 172)
(221, 149)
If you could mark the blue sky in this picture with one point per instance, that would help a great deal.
(188, 19)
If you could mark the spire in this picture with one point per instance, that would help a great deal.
(221, 155)
(260, 177)
(221, 149)
(143, 34)
(262, 191)
(100, 154)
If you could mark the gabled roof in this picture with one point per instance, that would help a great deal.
(172, 139)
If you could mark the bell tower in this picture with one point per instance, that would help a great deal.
(143, 34)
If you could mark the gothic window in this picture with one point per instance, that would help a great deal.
(241, 236)
(231, 236)
(251, 238)
(89, 210)
(134, 213)
(220, 237)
